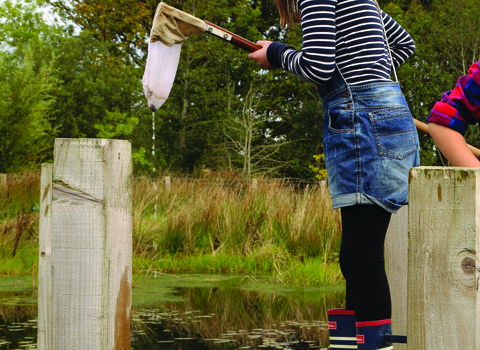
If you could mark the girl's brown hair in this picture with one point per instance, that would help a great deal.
(289, 12)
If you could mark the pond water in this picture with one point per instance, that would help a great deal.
(190, 312)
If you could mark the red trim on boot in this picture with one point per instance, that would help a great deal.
(340, 312)
(373, 323)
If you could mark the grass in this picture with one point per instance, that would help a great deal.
(313, 271)
(19, 204)
(201, 225)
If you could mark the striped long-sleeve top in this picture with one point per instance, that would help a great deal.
(347, 34)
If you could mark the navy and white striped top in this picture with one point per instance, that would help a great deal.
(347, 34)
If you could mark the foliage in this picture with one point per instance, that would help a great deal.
(320, 171)
(212, 82)
(19, 204)
(123, 23)
(27, 91)
(445, 44)
(25, 100)
(210, 216)
(60, 84)
(273, 228)
(117, 124)
(79, 75)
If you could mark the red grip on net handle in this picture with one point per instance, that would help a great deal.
(232, 38)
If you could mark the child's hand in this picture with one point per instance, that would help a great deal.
(261, 55)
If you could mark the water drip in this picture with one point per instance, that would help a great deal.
(153, 170)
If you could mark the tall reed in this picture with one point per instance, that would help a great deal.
(221, 216)
(19, 203)
(202, 225)
(270, 222)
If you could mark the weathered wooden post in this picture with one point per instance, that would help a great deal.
(86, 247)
(444, 238)
(45, 297)
(396, 259)
(3, 183)
(168, 184)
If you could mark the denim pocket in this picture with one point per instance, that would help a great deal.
(394, 132)
(340, 118)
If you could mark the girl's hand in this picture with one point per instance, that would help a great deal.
(261, 55)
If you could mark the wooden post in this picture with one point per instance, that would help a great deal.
(91, 247)
(3, 183)
(444, 226)
(396, 259)
(168, 183)
(45, 300)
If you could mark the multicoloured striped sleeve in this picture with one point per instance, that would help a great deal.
(315, 63)
(461, 106)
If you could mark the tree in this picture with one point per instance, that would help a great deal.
(26, 92)
(438, 59)
(93, 86)
(126, 24)
(458, 34)
(25, 102)
(247, 135)
(212, 79)
(96, 93)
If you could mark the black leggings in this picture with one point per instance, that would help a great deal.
(362, 261)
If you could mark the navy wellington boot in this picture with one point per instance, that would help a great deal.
(341, 328)
(373, 335)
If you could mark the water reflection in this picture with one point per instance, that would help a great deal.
(18, 313)
(186, 312)
(230, 312)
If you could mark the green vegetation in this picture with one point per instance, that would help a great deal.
(203, 225)
(226, 226)
(313, 271)
(19, 225)
(78, 74)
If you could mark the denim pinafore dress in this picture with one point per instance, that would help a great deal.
(369, 141)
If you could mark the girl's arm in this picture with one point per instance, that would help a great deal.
(401, 43)
(453, 146)
(315, 63)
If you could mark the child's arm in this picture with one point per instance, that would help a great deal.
(453, 146)
(315, 62)
(450, 117)
(401, 43)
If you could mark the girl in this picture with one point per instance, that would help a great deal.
(370, 143)
(449, 118)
